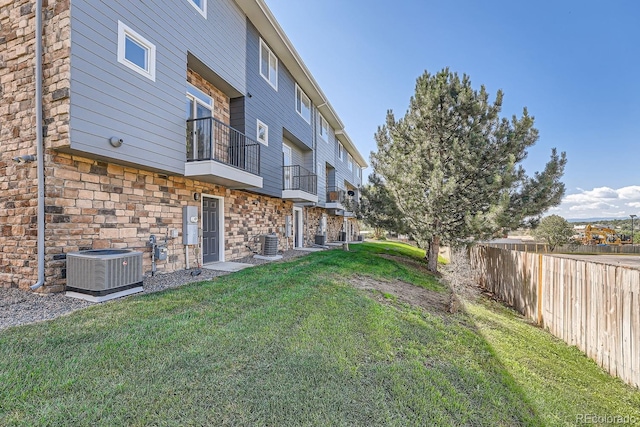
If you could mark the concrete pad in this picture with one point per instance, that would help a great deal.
(308, 249)
(336, 244)
(268, 258)
(229, 267)
(103, 298)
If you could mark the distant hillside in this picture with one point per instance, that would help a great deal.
(590, 220)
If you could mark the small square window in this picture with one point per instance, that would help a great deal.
(303, 105)
(136, 52)
(262, 133)
(200, 5)
(324, 129)
(268, 65)
(340, 152)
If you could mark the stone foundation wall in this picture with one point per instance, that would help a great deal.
(18, 182)
(312, 219)
(335, 225)
(95, 205)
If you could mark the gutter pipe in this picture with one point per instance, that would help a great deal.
(39, 147)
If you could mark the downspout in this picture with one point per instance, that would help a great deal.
(39, 147)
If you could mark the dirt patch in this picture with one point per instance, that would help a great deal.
(416, 264)
(435, 302)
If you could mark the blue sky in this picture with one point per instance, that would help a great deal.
(573, 64)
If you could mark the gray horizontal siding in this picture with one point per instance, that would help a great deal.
(277, 110)
(110, 99)
(326, 155)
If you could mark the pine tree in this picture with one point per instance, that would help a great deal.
(452, 165)
(378, 209)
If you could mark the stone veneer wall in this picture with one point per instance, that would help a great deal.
(93, 205)
(312, 218)
(18, 182)
(334, 225)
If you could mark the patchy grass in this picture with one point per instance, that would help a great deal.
(293, 344)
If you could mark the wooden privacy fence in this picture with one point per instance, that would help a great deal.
(594, 306)
(571, 249)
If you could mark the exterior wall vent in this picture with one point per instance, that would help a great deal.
(102, 274)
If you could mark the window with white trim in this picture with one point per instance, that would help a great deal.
(200, 5)
(324, 128)
(303, 104)
(268, 65)
(262, 133)
(340, 152)
(350, 162)
(136, 52)
(199, 104)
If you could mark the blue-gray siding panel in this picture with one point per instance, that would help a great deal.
(326, 155)
(274, 108)
(109, 99)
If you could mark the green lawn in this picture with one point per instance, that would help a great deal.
(294, 344)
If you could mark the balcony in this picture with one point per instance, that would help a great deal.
(221, 155)
(335, 197)
(300, 185)
(336, 201)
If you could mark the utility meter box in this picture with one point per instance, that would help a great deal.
(190, 225)
(161, 253)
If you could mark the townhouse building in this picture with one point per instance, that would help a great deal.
(119, 114)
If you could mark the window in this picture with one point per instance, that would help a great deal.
(136, 52)
(263, 133)
(324, 129)
(199, 104)
(340, 152)
(200, 5)
(350, 163)
(303, 104)
(268, 65)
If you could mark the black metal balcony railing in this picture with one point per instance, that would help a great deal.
(210, 139)
(335, 195)
(298, 178)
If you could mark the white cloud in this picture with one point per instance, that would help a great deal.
(595, 195)
(630, 193)
(592, 207)
(600, 202)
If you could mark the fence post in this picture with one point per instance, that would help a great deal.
(540, 289)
